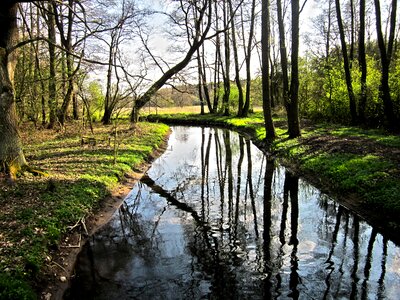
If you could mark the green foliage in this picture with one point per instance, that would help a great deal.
(12, 288)
(323, 92)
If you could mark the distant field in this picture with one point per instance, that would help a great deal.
(172, 110)
(177, 110)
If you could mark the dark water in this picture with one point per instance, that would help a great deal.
(214, 219)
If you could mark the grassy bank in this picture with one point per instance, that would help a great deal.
(349, 162)
(83, 169)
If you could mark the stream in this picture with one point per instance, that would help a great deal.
(214, 218)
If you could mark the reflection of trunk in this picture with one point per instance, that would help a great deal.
(329, 259)
(292, 186)
(356, 255)
(381, 280)
(368, 261)
(267, 235)
(228, 169)
(205, 162)
(171, 199)
(250, 185)
(238, 183)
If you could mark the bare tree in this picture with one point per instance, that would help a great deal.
(196, 36)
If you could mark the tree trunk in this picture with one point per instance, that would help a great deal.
(363, 64)
(293, 113)
(52, 67)
(246, 107)
(236, 60)
(200, 70)
(350, 92)
(283, 52)
(265, 32)
(386, 55)
(226, 71)
(12, 158)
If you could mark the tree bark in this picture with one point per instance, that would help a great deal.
(246, 107)
(386, 54)
(363, 64)
(52, 101)
(12, 158)
(265, 46)
(236, 60)
(350, 92)
(293, 112)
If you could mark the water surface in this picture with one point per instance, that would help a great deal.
(214, 218)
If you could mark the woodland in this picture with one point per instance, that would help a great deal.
(89, 68)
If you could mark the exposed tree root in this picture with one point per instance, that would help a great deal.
(15, 168)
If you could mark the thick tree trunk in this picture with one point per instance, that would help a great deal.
(293, 112)
(12, 158)
(265, 23)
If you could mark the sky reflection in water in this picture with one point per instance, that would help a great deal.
(213, 219)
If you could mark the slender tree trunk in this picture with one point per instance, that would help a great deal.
(226, 71)
(236, 60)
(52, 101)
(283, 52)
(216, 62)
(363, 64)
(204, 80)
(200, 70)
(386, 55)
(246, 107)
(66, 39)
(265, 46)
(106, 119)
(350, 92)
(12, 158)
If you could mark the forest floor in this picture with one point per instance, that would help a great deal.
(45, 220)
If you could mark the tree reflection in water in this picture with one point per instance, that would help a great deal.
(215, 218)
